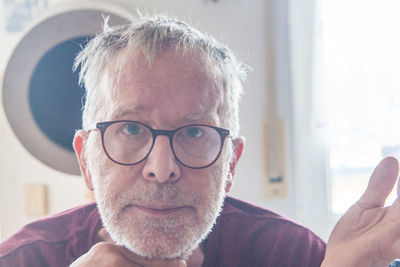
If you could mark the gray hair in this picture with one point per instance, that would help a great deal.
(150, 35)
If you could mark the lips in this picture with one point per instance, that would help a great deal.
(160, 210)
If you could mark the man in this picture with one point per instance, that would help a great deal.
(159, 148)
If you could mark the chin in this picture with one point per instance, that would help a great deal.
(174, 237)
(161, 238)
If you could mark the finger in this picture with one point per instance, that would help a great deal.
(381, 183)
(147, 262)
(103, 254)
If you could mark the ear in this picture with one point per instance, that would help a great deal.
(238, 146)
(80, 139)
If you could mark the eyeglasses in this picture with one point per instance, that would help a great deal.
(195, 146)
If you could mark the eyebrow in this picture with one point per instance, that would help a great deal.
(201, 116)
(119, 111)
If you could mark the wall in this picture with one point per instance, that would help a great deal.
(242, 24)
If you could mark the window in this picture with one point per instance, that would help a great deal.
(358, 100)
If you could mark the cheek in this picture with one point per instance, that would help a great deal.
(208, 182)
(95, 156)
(211, 191)
(114, 179)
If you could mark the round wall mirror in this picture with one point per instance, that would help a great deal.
(41, 96)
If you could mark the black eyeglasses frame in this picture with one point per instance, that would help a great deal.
(102, 126)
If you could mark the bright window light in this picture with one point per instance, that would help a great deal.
(361, 89)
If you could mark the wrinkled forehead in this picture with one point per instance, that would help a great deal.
(126, 63)
(126, 59)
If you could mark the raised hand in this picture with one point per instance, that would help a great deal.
(368, 234)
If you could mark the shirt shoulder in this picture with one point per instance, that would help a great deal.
(247, 235)
(55, 240)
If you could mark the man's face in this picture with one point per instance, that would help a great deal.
(159, 208)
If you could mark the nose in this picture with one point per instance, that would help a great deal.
(161, 165)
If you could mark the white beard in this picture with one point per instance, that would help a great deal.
(151, 237)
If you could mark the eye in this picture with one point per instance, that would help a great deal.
(194, 132)
(131, 129)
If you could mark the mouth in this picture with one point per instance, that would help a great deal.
(160, 210)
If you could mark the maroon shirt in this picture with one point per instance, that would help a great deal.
(244, 235)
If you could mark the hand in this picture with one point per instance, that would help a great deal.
(109, 254)
(368, 234)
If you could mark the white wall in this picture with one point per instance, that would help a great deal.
(18, 167)
(242, 24)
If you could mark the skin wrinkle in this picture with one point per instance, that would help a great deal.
(121, 112)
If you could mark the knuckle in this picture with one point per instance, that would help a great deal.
(101, 247)
(105, 254)
(105, 250)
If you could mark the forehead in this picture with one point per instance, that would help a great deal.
(171, 87)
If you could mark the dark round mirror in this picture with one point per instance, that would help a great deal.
(55, 98)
